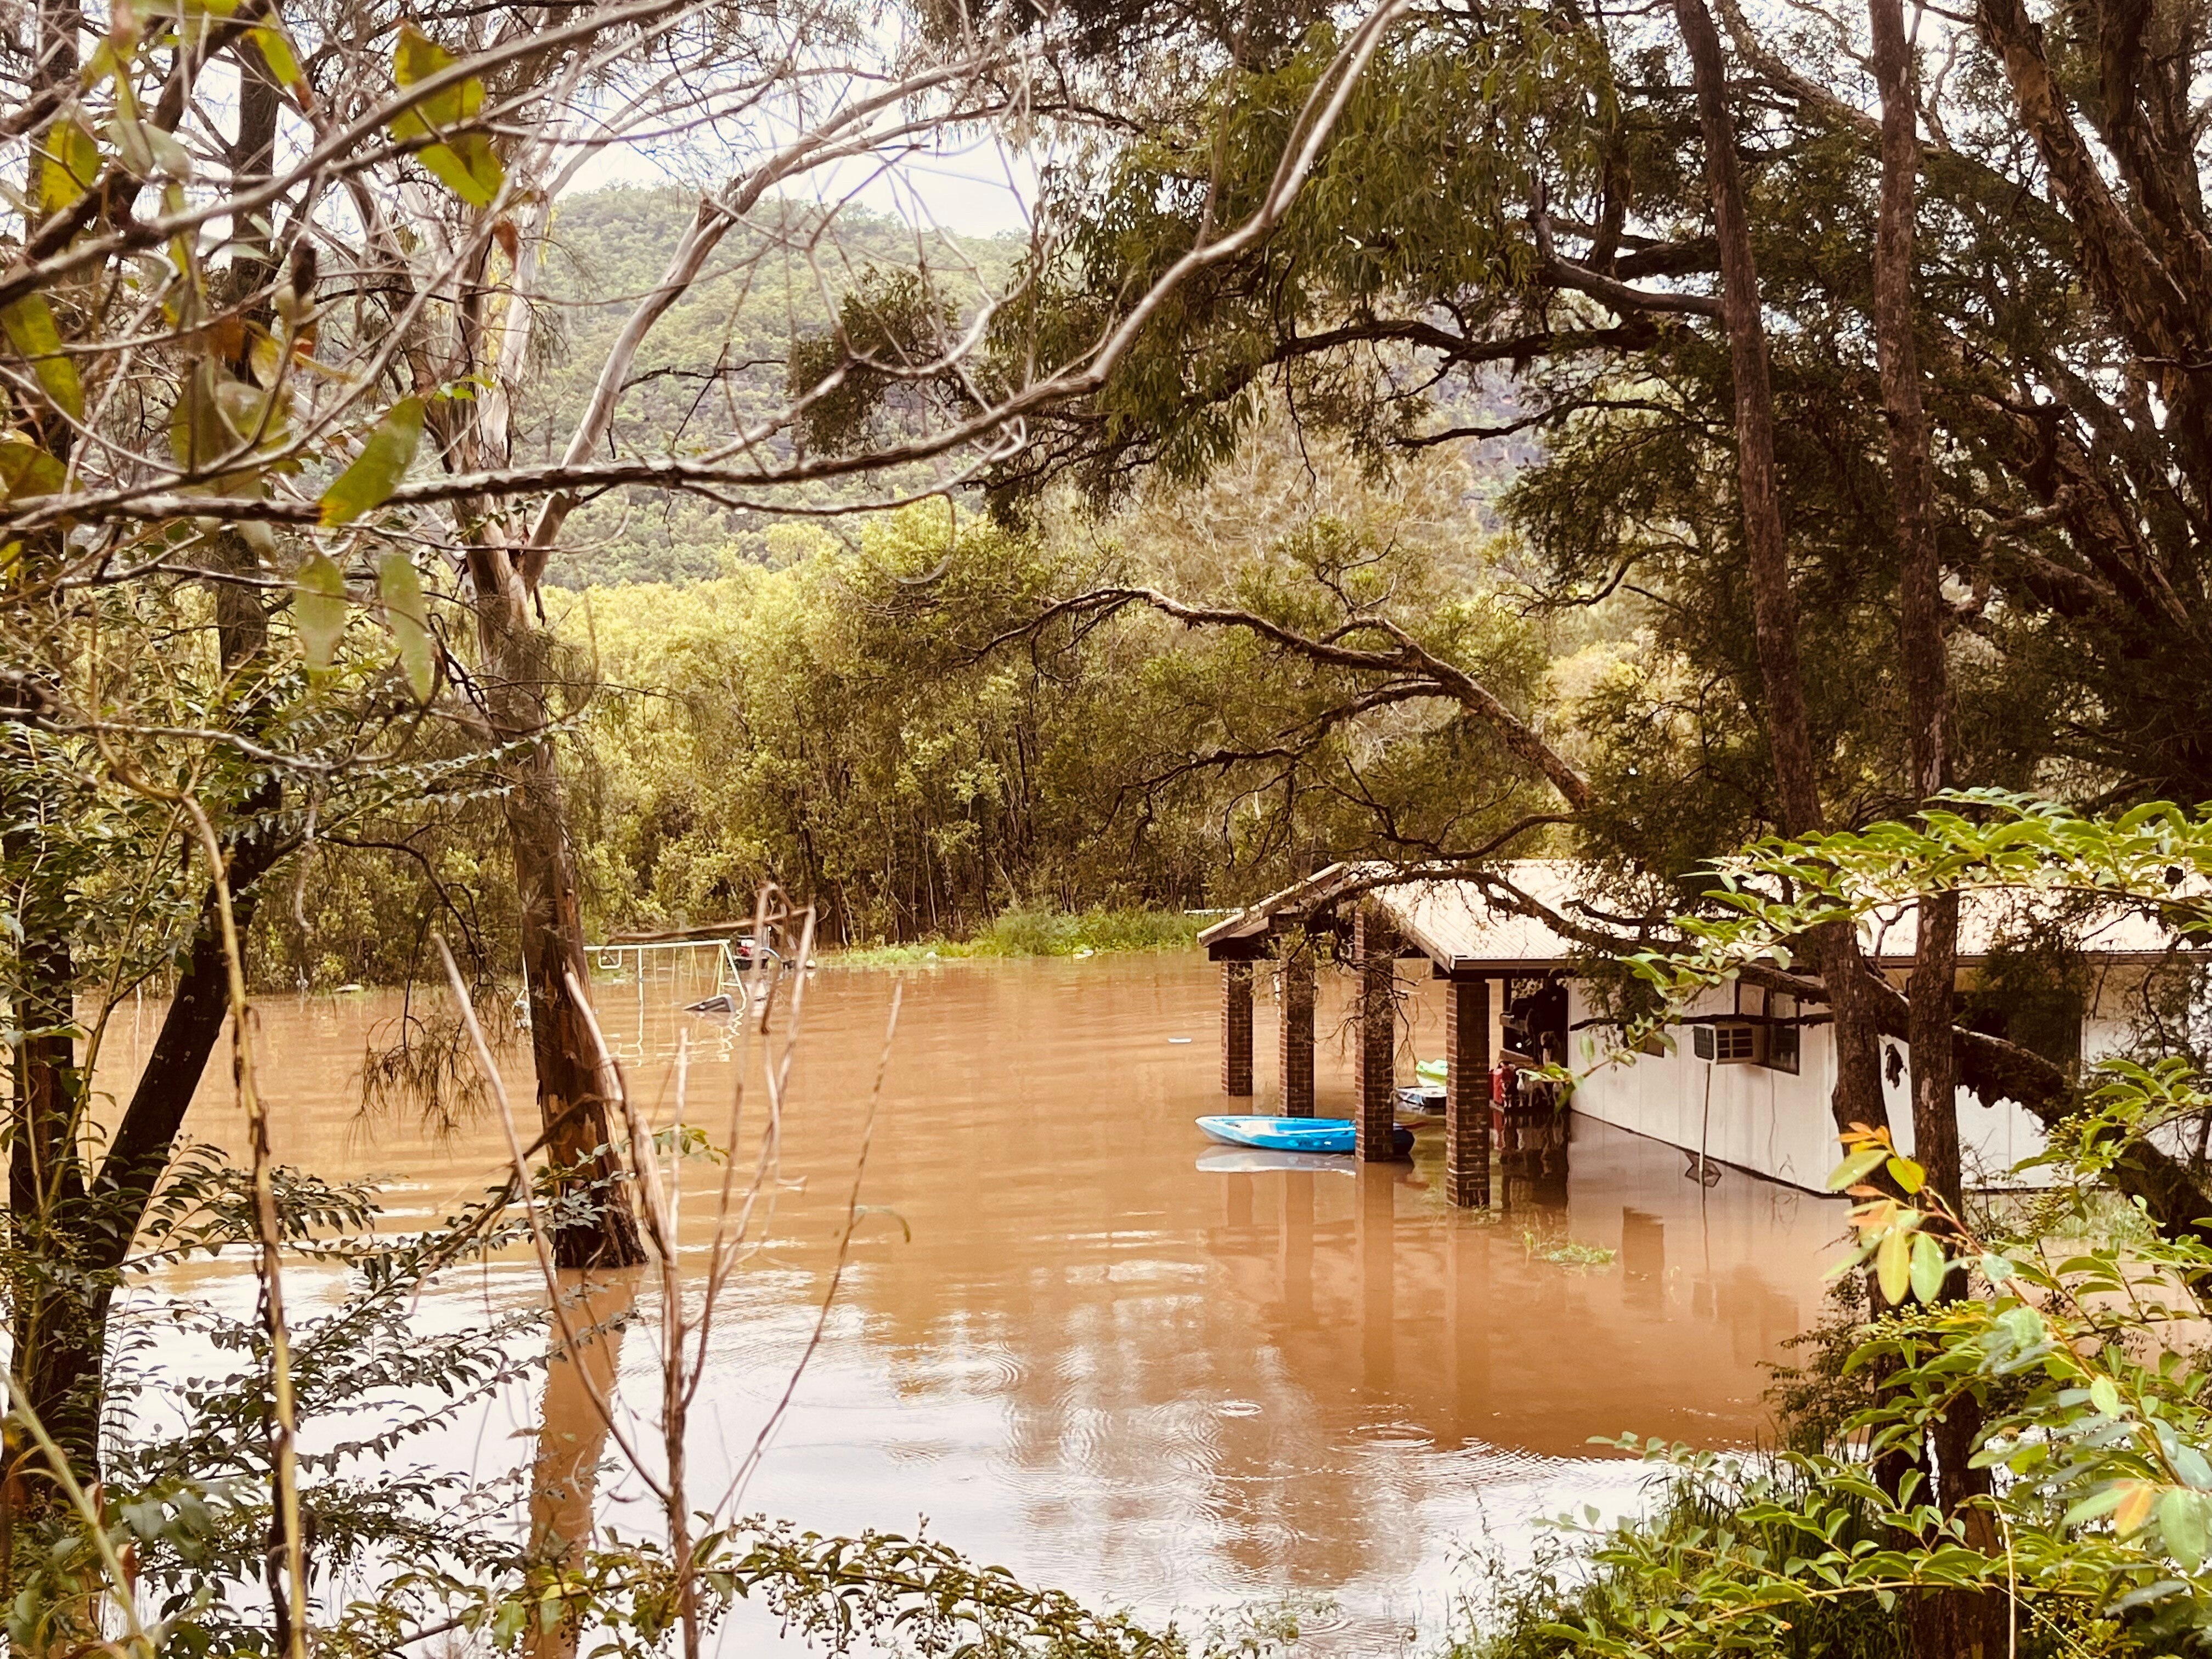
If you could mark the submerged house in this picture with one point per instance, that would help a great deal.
(1742, 1077)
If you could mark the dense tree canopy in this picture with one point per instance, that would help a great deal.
(870, 748)
(1523, 189)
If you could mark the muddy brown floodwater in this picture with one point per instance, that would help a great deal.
(1083, 1349)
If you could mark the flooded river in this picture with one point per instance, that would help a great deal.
(1081, 1349)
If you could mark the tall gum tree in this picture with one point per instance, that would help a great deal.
(269, 253)
(1858, 1094)
(1946, 1621)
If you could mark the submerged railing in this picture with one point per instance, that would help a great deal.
(730, 958)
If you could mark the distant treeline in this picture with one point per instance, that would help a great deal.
(828, 725)
(888, 718)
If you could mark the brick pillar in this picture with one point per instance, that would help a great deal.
(1298, 1030)
(1375, 948)
(1467, 1093)
(1236, 1028)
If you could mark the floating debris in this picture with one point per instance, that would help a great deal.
(1567, 1253)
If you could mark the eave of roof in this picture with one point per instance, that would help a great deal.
(1451, 921)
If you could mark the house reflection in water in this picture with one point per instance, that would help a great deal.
(1644, 1301)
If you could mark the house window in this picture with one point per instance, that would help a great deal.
(1782, 1038)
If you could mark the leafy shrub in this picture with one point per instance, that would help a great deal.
(1027, 931)
(1642, 1586)
(2075, 1516)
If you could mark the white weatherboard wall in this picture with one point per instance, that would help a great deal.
(1770, 1122)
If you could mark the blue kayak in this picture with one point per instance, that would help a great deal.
(1296, 1135)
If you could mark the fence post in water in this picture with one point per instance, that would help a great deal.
(1236, 1028)
(1297, 1026)
(1466, 1092)
(1375, 948)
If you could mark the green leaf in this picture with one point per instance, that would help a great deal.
(213, 417)
(26, 470)
(416, 58)
(1907, 1174)
(246, 410)
(318, 608)
(171, 159)
(1858, 1255)
(29, 323)
(464, 163)
(198, 432)
(128, 134)
(467, 167)
(408, 619)
(1893, 1264)
(283, 63)
(2181, 1523)
(2191, 1464)
(377, 470)
(1856, 1167)
(70, 163)
(2105, 1395)
(2095, 1504)
(1929, 1267)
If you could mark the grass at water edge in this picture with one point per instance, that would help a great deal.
(1027, 933)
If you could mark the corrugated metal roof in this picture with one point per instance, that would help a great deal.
(1293, 903)
(1455, 925)
(1448, 918)
(1987, 918)
(1453, 920)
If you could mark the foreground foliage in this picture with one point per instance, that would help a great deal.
(2098, 1430)
(2076, 1344)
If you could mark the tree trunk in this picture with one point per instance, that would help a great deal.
(76, 1232)
(46, 1182)
(572, 1092)
(45, 1177)
(517, 676)
(1920, 602)
(1858, 1095)
(1947, 1623)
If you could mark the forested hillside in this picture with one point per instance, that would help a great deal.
(715, 363)
(852, 706)
(872, 718)
(840, 724)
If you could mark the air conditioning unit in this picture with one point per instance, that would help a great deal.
(1731, 1042)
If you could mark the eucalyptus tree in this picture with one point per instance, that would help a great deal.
(272, 548)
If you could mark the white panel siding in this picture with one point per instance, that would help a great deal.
(1773, 1123)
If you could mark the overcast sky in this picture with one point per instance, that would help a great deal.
(978, 187)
